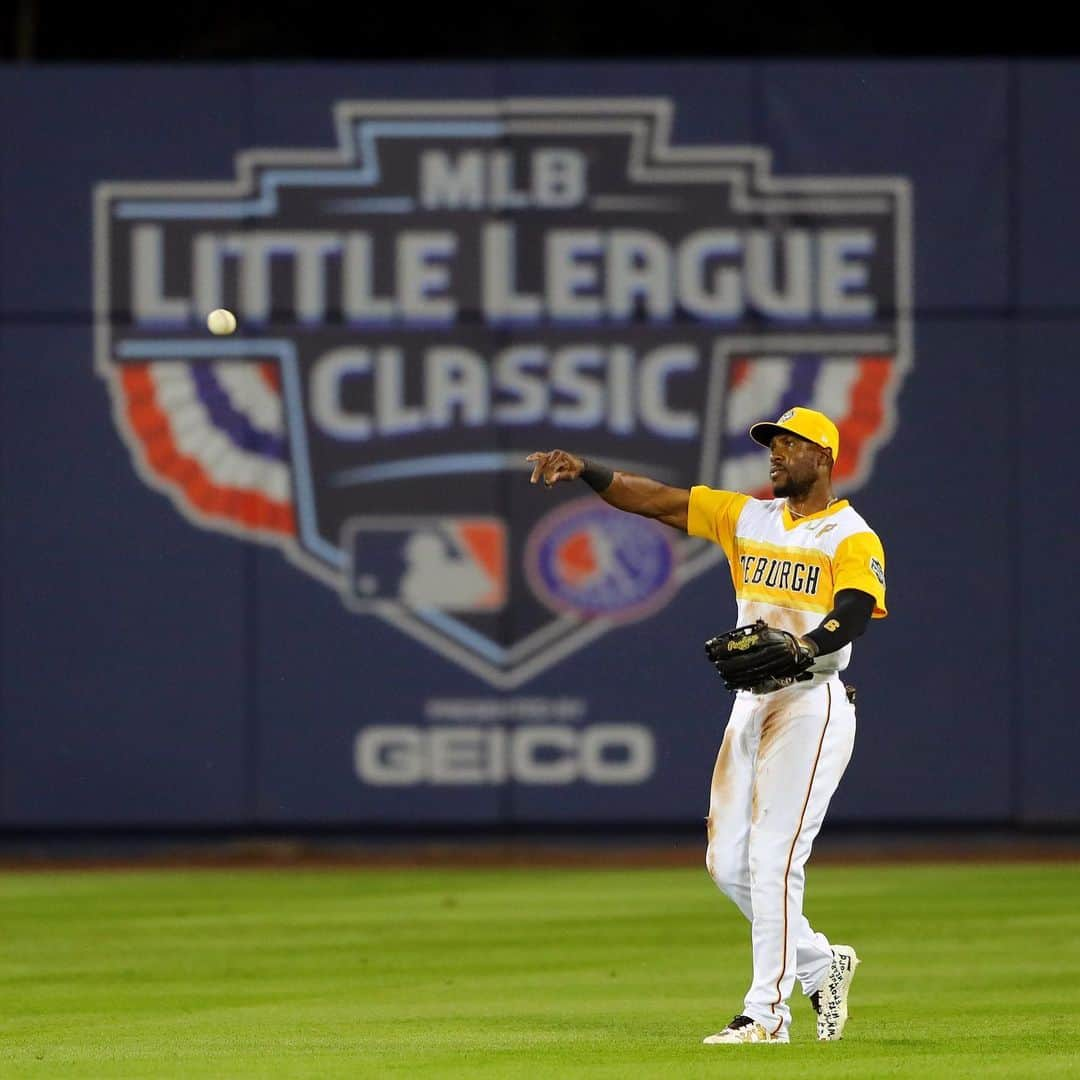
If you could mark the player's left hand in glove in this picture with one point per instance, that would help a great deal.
(759, 658)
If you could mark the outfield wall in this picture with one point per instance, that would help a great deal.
(297, 577)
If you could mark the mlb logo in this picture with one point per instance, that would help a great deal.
(427, 563)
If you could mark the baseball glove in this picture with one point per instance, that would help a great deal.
(759, 658)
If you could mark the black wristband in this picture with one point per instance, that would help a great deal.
(598, 477)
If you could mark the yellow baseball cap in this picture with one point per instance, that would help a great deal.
(806, 423)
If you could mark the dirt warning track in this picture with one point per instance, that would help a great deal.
(595, 852)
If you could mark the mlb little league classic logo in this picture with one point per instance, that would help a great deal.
(449, 285)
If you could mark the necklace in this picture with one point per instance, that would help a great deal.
(797, 514)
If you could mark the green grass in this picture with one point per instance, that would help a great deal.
(968, 971)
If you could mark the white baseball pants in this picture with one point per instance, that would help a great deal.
(782, 758)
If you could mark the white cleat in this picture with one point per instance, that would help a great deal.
(742, 1030)
(830, 1002)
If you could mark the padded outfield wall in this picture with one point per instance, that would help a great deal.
(297, 576)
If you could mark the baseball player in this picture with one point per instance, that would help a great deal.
(809, 575)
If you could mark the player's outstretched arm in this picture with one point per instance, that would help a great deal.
(623, 490)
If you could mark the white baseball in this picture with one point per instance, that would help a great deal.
(221, 321)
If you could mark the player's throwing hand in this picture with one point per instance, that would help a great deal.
(551, 466)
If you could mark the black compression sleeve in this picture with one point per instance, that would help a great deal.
(597, 476)
(847, 620)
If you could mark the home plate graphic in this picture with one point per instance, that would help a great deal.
(456, 284)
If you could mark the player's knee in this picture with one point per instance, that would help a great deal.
(724, 864)
(735, 889)
(710, 861)
(710, 847)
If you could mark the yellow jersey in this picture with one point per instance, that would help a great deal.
(787, 570)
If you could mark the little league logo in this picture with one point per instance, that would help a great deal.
(456, 284)
(588, 559)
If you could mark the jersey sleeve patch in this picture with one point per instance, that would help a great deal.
(859, 563)
(713, 515)
(877, 570)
